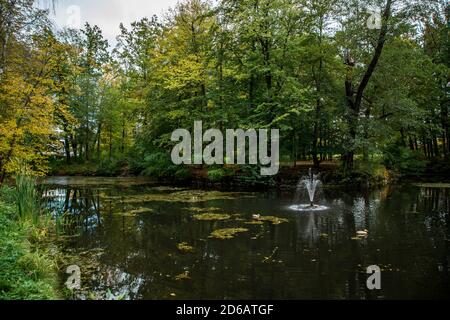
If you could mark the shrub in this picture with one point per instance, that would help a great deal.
(8, 195)
(109, 168)
(219, 174)
(26, 273)
(159, 165)
(251, 174)
(403, 160)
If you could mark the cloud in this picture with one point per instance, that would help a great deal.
(108, 14)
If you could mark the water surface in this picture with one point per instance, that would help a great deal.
(140, 241)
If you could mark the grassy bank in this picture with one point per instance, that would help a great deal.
(27, 271)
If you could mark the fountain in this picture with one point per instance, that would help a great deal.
(311, 184)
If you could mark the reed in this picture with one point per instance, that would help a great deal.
(27, 197)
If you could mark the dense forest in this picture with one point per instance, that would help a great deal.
(353, 81)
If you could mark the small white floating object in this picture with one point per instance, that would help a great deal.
(256, 216)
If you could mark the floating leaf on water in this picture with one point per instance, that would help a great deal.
(187, 196)
(185, 247)
(271, 257)
(140, 211)
(211, 217)
(324, 235)
(254, 222)
(229, 233)
(183, 276)
(197, 209)
(104, 196)
(274, 220)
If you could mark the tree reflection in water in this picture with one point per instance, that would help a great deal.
(316, 255)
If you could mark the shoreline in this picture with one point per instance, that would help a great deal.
(243, 177)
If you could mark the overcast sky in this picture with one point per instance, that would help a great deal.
(107, 14)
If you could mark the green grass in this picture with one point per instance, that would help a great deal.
(26, 272)
(27, 199)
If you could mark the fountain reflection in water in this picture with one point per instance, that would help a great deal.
(311, 184)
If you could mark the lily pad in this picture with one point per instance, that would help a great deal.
(134, 212)
(254, 222)
(186, 196)
(197, 209)
(211, 217)
(185, 247)
(274, 220)
(183, 276)
(141, 210)
(229, 233)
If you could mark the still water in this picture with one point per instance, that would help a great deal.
(135, 240)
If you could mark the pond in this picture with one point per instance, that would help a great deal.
(137, 240)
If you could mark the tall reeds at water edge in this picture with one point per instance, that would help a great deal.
(27, 196)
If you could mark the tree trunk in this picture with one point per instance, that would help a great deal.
(74, 146)
(99, 140)
(123, 136)
(86, 141)
(110, 143)
(66, 143)
(354, 98)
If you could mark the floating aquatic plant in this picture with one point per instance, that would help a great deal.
(271, 257)
(185, 247)
(229, 233)
(183, 276)
(187, 196)
(211, 217)
(274, 220)
(140, 211)
(197, 209)
(135, 212)
(255, 222)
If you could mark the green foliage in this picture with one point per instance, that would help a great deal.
(27, 198)
(404, 161)
(110, 168)
(282, 64)
(219, 174)
(251, 175)
(26, 273)
(159, 165)
(8, 195)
